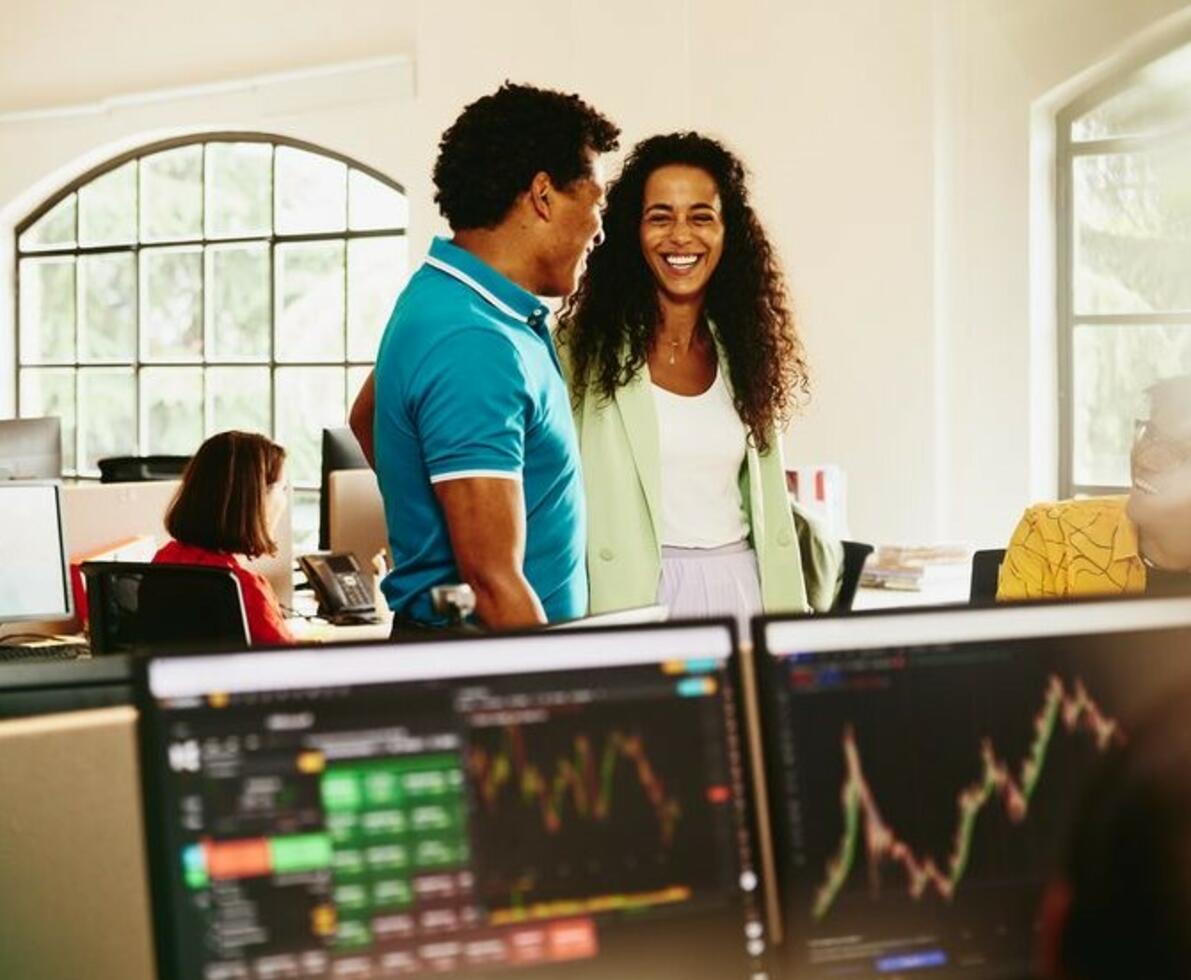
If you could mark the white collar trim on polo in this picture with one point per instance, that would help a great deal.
(467, 280)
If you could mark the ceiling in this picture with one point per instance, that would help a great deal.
(68, 52)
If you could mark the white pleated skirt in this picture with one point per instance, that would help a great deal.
(701, 582)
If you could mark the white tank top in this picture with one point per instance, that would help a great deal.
(702, 443)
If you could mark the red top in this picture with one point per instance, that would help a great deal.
(266, 624)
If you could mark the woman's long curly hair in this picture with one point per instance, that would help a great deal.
(608, 325)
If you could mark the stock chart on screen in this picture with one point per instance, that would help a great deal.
(577, 823)
(923, 792)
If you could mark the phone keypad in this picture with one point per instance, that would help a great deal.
(353, 589)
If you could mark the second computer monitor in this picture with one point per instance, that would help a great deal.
(925, 767)
(556, 805)
(341, 451)
(34, 576)
(31, 449)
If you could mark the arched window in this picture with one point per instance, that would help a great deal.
(1124, 234)
(219, 281)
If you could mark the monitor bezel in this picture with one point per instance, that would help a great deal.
(876, 628)
(51, 615)
(151, 733)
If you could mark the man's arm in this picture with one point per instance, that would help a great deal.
(486, 523)
(361, 418)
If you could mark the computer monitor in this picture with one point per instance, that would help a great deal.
(31, 449)
(34, 575)
(923, 769)
(341, 451)
(545, 805)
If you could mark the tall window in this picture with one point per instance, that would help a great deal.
(224, 281)
(1125, 262)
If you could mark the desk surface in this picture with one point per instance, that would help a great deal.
(320, 631)
(949, 588)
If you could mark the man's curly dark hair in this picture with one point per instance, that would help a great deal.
(608, 325)
(491, 153)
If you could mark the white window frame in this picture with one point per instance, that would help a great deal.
(1066, 152)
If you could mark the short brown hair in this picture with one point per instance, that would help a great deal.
(220, 505)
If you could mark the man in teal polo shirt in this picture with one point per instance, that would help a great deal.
(475, 447)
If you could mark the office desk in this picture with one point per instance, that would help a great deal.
(945, 594)
(320, 631)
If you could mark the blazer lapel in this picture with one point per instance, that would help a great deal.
(635, 403)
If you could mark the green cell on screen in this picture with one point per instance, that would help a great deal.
(432, 816)
(382, 787)
(348, 862)
(343, 825)
(392, 893)
(387, 857)
(352, 934)
(351, 898)
(383, 823)
(341, 790)
(299, 852)
(432, 784)
(437, 852)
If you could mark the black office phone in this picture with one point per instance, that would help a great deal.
(340, 586)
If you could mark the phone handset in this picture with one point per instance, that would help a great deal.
(339, 584)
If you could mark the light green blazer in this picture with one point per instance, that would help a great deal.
(622, 476)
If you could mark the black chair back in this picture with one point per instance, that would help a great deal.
(136, 607)
(141, 469)
(855, 555)
(986, 567)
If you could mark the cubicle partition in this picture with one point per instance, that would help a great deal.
(73, 885)
(99, 516)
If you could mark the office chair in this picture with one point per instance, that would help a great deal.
(137, 607)
(986, 567)
(141, 469)
(855, 555)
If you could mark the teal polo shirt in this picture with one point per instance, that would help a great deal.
(468, 384)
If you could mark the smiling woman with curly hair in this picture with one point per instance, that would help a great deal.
(684, 365)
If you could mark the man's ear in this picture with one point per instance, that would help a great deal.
(541, 194)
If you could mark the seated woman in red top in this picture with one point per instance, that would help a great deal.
(232, 495)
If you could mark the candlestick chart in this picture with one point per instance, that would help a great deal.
(566, 805)
(584, 779)
(1066, 708)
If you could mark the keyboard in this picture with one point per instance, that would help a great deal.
(31, 653)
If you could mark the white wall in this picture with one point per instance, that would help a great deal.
(830, 104)
(1009, 67)
(890, 142)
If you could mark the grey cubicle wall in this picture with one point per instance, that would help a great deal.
(73, 882)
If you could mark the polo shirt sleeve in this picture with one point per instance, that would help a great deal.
(472, 408)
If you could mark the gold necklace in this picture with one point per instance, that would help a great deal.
(673, 351)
